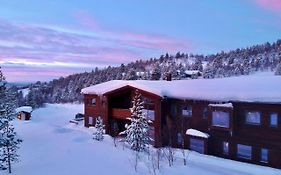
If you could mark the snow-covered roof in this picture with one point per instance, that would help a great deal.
(243, 88)
(225, 105)
(194, 132)
(24, 109)
(191, 72)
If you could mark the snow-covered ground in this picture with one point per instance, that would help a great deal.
(53, 146)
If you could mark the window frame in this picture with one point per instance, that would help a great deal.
(187, 108)
(270, 119)
(225, 143)
(221, 126)
(261, 155)
(91, 101)
(205, 113)
(242, 156)
(252, 123)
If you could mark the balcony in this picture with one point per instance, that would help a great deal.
(120, 113)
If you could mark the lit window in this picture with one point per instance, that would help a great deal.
(244, 151)
(264, 155)
(187, 111)
(253, 117)
(274, 119)
(225, 146)
(220, 118)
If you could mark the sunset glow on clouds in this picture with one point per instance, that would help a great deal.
(45, 40)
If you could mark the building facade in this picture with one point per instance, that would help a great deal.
(244, 131)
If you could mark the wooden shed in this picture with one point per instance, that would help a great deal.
(24, 112)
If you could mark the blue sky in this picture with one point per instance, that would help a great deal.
(42, 40)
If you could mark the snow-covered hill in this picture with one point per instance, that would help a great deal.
(53, 146)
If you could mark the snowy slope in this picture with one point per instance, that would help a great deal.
(53, 146)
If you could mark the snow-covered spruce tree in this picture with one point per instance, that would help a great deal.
(9, 142)
(137, 131)
(98, 135)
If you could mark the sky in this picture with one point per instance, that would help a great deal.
(42, 40)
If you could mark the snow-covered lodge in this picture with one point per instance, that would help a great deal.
(236, 118)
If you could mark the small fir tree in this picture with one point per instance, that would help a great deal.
(137, 131)
(98, 135)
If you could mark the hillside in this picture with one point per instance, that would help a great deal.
(265, 57)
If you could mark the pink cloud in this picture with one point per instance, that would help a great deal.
(273, 5)
(85, 19)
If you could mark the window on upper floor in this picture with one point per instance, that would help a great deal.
(187, 111)
(244, 151)
(274, 119)
(149, 114)
(253, 117)
(220, 119)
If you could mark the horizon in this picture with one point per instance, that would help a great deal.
(48, 40)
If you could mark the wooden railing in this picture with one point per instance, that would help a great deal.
(120, 113)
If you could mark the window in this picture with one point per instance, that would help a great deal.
(93, 101)
(91, 120)
(264, 155)
(253, 117)
(220, 118)
(149, 114)
(244, 151)
(273, 119)
(196, 145)
(205, 113)
(225, 148)
(187, 111)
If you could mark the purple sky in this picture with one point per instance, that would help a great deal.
(42, 40)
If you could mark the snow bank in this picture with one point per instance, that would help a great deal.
(194, 132)
(244, 88)
(24, 109)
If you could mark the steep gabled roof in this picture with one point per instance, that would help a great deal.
(243, 88)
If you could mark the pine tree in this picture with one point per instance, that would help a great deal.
(9, 143)
(98, 135)
(137, 132)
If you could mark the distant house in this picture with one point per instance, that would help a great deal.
(236, 118)
(194, 74)
(24, 112)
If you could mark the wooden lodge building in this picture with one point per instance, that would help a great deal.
(235, 118)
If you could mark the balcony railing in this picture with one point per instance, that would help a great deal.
(120, 113)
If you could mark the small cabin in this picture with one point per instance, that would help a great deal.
(24, 112)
